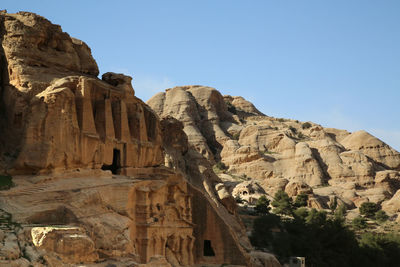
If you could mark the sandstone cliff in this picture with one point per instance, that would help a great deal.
(265, 154)
(86, 156)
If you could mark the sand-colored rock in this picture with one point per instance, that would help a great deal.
(201, 110)
(58, 115)
(263, 259)
(216, 222)
(284, 154)
(10, 249)
(373, 148)
(70, 243)
(241, 104)
(294, 188)
(392, 206)
(87, 161)
(249, 191)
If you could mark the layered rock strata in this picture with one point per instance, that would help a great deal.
(282, 154)
(86, 157)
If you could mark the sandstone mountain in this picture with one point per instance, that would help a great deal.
(263, 154)
(96, 177)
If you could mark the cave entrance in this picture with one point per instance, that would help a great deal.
(116, 163)
(207, 249)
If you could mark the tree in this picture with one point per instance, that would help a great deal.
(261, 235)
(359, 223)
(301, 213)
(368, 209)
(301, 200)
(340, 213)
(381, 216)
(306, 125)
(282, 203)
(262, 206)
(316, 217)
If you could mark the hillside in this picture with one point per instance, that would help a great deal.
(262, 154)
(82, 173)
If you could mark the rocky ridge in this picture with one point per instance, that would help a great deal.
(263, 154)
(90, 181)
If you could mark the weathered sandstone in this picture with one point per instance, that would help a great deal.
(87, 161)
(283, 154)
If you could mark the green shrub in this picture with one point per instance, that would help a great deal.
(368, 209)
(221, 166)
(380, 249)
(262, 206)
(340, 213)
(301, 213)
(381, 216)
(282, 203)
(359, 223)
(292, 129)
(316, 217)
(301, 200)
(231, 108)
(261, 235)
(6, 182)
(306, 125)
(329, 244)
(301, 136)
(323, 241)
(236, 136)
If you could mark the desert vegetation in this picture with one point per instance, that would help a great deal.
(325, 239)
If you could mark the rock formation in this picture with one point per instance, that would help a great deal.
(283, 154)
(87, 160)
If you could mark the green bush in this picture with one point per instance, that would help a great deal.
(306, 125)
(262, 206)
(231, 108)
(301, 136)
(359, 223)
(323, 241)
(326, 244)
(301, 200)
(292, 129)
(368, 209)
(340, 213)
(381, 216)
(6, 182)
(380, 249)
(236, 136)
(301, 213)
(221, 166)
(316, 217)
(282, 203)
(261, 235)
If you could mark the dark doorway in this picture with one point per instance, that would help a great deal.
(208, 250)
(116, 163)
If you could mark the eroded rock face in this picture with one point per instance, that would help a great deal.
(71, 243)
(219, 235)
(57, 115)
(87, 156)
(282, 154)
(200, 109)
(83, 122)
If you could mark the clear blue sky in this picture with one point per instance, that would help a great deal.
(334, 62)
